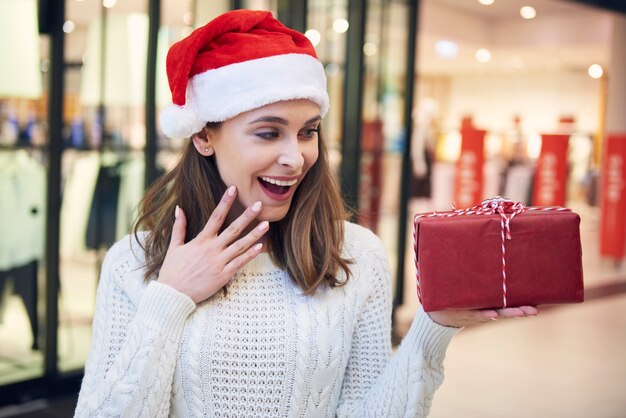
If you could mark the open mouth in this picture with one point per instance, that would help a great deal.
(277, 187)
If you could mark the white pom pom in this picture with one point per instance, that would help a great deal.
(178, 122)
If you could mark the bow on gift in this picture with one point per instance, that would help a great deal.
(506, 208)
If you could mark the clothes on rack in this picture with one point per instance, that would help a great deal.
(22, 206)
(100, 195)
(80, 173)
(102, 219)
(22, 229)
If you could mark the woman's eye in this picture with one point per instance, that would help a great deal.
(309, 132)
(267, 134)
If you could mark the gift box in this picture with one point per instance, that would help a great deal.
(498, 254)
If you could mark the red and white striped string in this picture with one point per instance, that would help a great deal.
(506, 208)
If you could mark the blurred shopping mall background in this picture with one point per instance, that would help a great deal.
(433, 102)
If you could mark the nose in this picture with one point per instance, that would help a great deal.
(292, 154)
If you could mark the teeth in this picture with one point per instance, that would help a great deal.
(280, 182)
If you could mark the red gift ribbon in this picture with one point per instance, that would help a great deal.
(506, 208)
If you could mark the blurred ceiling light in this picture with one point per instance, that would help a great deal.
(446, 49)
(595, 71)
(109, 3)
(486, 2)
(340, 25)
(483, 55)
(370, 48)
(314, 36)
(528, 12)
(69, 26)
(188, 18)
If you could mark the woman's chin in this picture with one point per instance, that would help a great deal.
(273, 214)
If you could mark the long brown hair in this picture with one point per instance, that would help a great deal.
(306, 243)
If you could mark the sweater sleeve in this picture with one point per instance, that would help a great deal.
(131, 362)
(377, 384)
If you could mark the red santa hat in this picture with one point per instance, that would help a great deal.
(239, 61)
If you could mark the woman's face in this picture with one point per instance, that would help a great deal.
(266, 153)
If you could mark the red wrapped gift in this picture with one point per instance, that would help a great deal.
(498, 254)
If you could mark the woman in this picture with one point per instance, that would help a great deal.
(243, 292)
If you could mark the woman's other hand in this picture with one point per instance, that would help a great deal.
(205, 264)
(464, 318)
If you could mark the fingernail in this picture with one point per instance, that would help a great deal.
(256, 207)
(231, 191)
(264, 225)
(494, 319)
(176, 212)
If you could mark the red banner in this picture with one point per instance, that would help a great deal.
(551, 171)
(468, 180)
(613, 198)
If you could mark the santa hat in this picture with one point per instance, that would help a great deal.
(239, 61)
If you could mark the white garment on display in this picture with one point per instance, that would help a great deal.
(78, 191)
(132, 173)
(23, 209)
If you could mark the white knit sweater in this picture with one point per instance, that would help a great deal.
(264, 350)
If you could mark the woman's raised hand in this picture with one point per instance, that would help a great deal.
(205, 264)
(464, 318)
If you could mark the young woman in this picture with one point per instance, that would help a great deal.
(243, 291)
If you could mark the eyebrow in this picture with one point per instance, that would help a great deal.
(281, 121)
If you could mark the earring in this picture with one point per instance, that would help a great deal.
(206, 149)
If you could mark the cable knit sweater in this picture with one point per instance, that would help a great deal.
(264, 349)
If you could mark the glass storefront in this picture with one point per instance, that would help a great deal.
(103, 155)
(23, 156)
(409, 134)
(383, 135)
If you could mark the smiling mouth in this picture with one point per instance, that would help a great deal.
(279, 187)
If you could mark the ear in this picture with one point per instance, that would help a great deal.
(202, 142)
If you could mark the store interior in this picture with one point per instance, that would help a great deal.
(495, 68)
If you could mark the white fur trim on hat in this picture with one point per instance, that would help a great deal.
(179, 122)
(220, 94)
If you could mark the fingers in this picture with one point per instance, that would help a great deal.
(238, 262)
(178, 229)
(234, 230)
(510, 312)
(517, 312)
(219, 215)
(243, 244)
(215, 222)
(489, 314)
(463, 318)
(530, 310)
